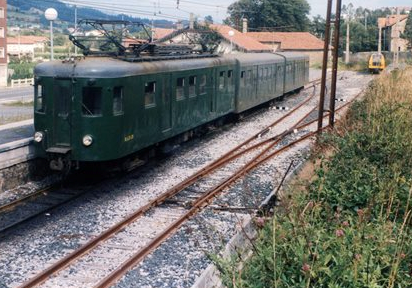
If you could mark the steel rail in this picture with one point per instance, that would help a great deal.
(64, 262)
(8, 206)
(199, 204)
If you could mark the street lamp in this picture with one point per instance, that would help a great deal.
(18, 47)
(51, 15)
(231, 33)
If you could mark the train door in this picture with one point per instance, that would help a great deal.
(62, 95)
(151, 113)
(215, 87)
(166, 122)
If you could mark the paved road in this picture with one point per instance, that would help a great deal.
(16, 94)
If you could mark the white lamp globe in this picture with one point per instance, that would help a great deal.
(231, 33)
(51, 14)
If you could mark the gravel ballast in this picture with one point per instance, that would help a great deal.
(182, 258)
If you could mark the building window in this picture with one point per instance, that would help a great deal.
(192, 86)
(117, 100)
(180, 88)
(149, 94)
(1, 12)
(1, 32)
(1, 52)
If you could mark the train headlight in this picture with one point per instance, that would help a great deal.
(38, 136)
(87, 140)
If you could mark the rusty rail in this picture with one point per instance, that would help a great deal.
(67, 260)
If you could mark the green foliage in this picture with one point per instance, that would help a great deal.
(287, 15)
(363, 32)
(352, 226)
(317, 26)
(22, 70)
(408, 30)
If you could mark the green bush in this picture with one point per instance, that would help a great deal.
(351, 226)
(22, 70)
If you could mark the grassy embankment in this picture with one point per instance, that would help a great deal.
(350, 224)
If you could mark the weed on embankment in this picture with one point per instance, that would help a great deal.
(351, 224)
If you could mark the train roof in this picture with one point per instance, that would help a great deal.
(267, 58)
(107, 67)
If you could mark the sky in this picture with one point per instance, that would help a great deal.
(167, 9)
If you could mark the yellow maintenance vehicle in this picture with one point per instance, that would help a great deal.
(376, 63)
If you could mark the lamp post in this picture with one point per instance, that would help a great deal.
(19, 41)
(231, 33)
(51, 15)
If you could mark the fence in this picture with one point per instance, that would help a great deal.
(22, 82)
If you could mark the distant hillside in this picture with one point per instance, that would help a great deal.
(25, 12)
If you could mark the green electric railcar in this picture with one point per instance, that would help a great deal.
(98, 109)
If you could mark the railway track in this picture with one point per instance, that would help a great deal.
(104, 259)
(34, 204)
(46, 199)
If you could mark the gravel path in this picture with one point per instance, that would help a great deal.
(183, 257)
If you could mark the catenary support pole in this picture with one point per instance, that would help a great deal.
(324, 67)
(335, 64)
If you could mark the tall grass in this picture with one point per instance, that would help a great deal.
(351, 225)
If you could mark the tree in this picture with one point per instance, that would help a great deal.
(209, 19)
(317, 26)
(407, 34)
(284, 15)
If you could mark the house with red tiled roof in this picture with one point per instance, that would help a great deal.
(231, 40)
(303, 42)
(392, 26)
(25, 45)
(161, 32)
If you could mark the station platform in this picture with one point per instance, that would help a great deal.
(15, 143)
(16, 131)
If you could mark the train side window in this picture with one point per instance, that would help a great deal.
(180, 88)
(242, 78)
(149, 94)
(192, 86)
(221, 80)
(280, 70)
(249, 77)
(40, 101)
(117, 100)
(202, 84)
(266, 74)
(92, 101)
(230, 79)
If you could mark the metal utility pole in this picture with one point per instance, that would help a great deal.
(324, 67)
(152, 26)
(380, 39)
(347, 40)
(335, 64)
(396, 40)
(75, 27)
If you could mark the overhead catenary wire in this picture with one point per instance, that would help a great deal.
(115, 8)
